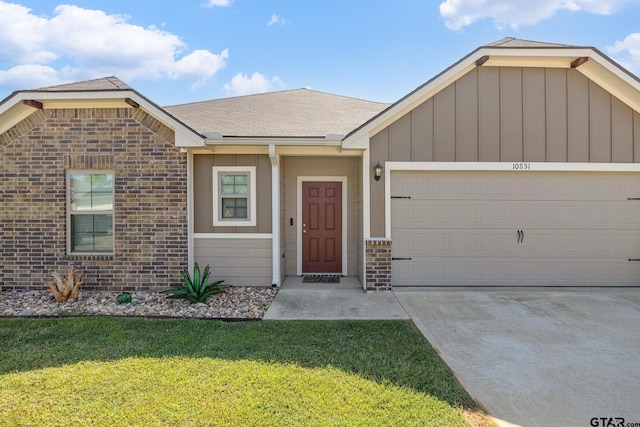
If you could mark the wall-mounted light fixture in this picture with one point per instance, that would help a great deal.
(377, 171)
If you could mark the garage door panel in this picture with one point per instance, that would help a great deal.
(515, 214)
(515, 272)
(516, 185)
(463, 229)
(502, 243)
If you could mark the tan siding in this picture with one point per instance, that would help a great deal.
(422, 132)
(511, 114)
(577, 117)
(445, 125)
(400, 139)
(239, 262)
(467, 123)
(556, 115)
(636, 137)
(600, 124)
(621, 132)
(203, 194)
(203, 191)
(322, 166)
(489, 114)
(533, 97)
(379, 152)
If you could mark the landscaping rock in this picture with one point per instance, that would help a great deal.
(236, 303)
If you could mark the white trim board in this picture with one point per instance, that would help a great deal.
(513, 167)
(301, 179)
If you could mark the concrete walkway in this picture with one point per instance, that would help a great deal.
(530, 357)
(325, 301)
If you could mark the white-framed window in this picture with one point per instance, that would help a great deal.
(90, 212)
(234, 196)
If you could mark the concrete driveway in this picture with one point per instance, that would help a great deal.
(539, 357)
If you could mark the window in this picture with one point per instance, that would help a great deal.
(90, 218)
(234, 196)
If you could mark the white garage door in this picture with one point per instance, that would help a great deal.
(515, 229)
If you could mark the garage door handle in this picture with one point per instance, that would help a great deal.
(520, 236)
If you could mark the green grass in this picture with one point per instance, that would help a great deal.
(106, 371)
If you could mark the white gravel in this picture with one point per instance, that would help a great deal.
(235, 303)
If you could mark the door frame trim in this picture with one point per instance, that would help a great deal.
(301, 179)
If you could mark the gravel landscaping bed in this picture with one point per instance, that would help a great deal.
(246, 303)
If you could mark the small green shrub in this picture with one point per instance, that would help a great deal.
(197, 289)
(124, 298)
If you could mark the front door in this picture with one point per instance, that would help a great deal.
(321, 227)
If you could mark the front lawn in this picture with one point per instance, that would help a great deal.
(115, 371)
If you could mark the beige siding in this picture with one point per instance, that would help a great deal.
(500, 114)
(203, 191)
(239, 262)
(320, 166)
(489, 114)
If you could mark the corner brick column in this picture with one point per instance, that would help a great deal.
(378, 258)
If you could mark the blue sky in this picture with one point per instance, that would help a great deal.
(192, 50)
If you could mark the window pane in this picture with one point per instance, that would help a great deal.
(102, 201)
(92, 233)
(102, 224)
(227, 189)
(234, 184)
(240, 189)
(91, 191)
(227, 179)
(234, 208)
(80, 182)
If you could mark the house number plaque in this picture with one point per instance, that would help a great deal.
(521, 166)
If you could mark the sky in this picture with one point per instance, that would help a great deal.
(176, 52)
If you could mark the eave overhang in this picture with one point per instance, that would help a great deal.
(587, 60)
(20, 105)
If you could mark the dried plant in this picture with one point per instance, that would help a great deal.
(65, 287)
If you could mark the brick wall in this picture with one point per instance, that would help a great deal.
(378, 259)
(150, 198)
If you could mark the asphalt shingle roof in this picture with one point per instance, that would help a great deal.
(106, 83)
(291, 113)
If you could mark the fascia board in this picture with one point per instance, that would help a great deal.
(185, 137)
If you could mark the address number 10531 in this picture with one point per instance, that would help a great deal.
(521, 166)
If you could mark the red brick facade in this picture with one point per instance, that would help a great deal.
(150, 198)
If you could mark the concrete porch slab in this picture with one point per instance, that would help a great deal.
(332, 301)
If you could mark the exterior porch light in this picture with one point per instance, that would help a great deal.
(377, 171)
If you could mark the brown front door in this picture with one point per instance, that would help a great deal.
(322, 227)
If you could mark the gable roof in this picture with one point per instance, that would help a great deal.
(510, 52)
(105, 83)
(104, 92)
(299, 113)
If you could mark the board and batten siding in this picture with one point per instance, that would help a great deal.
(509, 114)
(239, 262)
(203, 191)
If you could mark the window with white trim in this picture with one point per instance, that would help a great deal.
(234, 196)
(90, 212)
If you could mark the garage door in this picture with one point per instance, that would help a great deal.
(515, 229)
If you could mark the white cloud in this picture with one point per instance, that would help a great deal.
(94, 44)
(630, 50)
(514, 13)
(218, 3)
(276, 19)
(242, 84)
